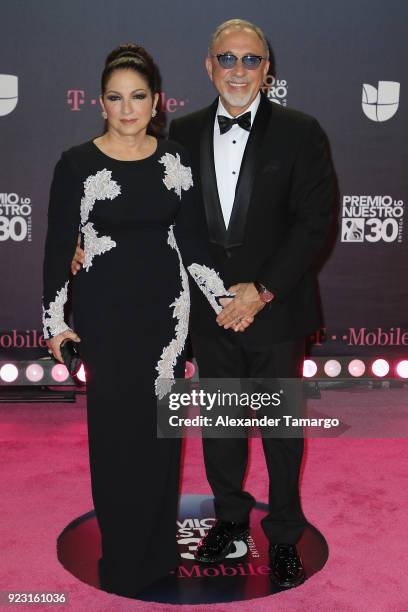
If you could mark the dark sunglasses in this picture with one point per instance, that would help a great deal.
(228, 60)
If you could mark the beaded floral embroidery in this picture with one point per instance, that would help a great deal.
(97, 187)
(176, 176)
(181, 311)
(210, 284)
(53, 316)
(94, 244)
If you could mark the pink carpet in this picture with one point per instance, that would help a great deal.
(354, 491)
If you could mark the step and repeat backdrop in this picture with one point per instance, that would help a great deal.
(342, 62)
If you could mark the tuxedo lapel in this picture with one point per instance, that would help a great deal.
(209, 190)
(251, 162)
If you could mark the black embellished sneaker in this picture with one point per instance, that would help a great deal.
(286, 566)
(218, 542)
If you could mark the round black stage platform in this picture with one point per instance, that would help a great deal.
(243, 575)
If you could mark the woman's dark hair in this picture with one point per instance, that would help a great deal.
(138, 59)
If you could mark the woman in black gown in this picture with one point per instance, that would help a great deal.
(130, 197)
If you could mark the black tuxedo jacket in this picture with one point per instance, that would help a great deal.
(280, 217)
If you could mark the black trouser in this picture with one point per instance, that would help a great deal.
(226, 356)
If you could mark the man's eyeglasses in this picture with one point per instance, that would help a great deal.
(228, 60)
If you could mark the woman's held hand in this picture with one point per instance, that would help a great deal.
(54, 344)
(78, 259)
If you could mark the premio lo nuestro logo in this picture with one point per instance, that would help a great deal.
(8, 93)
(15, 217)
(372, 218)
(243, 575)
(192, 529)
(275, 89)
(381, 103)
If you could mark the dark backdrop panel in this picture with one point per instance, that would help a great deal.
(324, 54)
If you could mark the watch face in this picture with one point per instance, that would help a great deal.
(266, 296)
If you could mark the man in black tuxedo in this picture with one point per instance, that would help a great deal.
(266, 186)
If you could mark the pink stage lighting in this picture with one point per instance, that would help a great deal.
(402, 368)
(380, 367)
(356, 367)
(190, 369)
(8, 372)
(81, 374)
(332, 368)
(34, 372)
(309, 368)
(59, 372)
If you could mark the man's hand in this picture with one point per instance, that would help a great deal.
(242, 309)
(243, 324)
(79, 258)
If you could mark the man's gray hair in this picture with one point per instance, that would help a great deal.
(239, 23)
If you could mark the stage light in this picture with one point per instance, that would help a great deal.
(402, 368)
(34, 372)
(332, 368)
(309, 368)
(81, 374)
(380, 367)
(59, 372)
(189, 370)
(46, 372)
(8, 372)
(356, 367)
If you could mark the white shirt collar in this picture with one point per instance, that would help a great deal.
(253, 108)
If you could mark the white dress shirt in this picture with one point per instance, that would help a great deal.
(228, 152)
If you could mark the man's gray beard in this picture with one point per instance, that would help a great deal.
(237, 100)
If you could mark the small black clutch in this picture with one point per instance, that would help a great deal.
(71, 356)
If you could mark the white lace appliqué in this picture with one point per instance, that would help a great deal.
(53, 317)
(210, 284)
(176, 176)
(98, 186)
(94, 244)
(181, 310)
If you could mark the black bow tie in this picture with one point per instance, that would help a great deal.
(226, 123)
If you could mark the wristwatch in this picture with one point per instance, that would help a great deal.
(265, 295)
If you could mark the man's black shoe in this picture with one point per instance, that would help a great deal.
(218, 542)
(286, 566)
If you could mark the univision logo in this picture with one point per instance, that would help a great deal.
(8, 93)
(380, 104)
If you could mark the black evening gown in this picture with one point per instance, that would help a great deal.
(141, 231)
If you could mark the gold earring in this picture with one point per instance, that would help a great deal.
(104, 114)
(154, 113)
